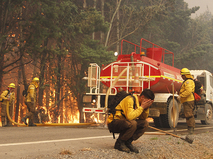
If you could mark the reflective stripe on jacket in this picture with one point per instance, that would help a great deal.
(130, 113)
(187, 91)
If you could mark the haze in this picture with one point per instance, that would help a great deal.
(204, 4)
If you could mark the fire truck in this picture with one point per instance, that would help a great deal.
(145, 66)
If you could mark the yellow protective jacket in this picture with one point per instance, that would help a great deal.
(187, 90)
(5, 95)
(31, 93)
(130, 113)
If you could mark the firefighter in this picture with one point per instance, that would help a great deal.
(7, 95)
(130, 123)
(30, 101)
(186, 96)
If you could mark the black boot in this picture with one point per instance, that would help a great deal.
(120, 145)
(24, 120)
(132, 148)
(190, 130)
(32, 125)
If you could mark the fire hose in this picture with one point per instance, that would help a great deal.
(45, 124)
(107, 94)
(8, 115)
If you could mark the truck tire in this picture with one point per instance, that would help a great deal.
(208, 112)
(167, 119)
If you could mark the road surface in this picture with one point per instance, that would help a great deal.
(18, 142)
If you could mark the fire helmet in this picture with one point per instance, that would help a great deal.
(35, 79)
(185, 71)
(12, 85)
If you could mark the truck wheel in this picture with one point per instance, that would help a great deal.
(167, 119)
(208, 111)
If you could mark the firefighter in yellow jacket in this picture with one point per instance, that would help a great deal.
(7, 96)
(187, 98)
(130, 123)
(30, 101)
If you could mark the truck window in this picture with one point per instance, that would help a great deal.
(202, 78)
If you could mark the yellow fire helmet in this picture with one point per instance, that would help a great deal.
(185, 71)
(12, 85)
(35, 79)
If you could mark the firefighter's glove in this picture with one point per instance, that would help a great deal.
(32, 100)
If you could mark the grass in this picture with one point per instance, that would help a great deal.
(154, 138)
(65, 152)
(86, 149)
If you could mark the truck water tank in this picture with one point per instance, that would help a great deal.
(154, 53)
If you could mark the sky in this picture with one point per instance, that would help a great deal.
(203, 6)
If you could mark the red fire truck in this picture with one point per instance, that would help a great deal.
(143, 67)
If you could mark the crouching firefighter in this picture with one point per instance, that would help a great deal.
(129, 119)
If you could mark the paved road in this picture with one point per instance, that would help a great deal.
(17, 142)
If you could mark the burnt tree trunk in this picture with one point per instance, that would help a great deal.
(47, 89)
(62, 96)
(41, 77)
(18, 95)
(58, 88)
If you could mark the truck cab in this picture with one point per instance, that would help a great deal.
(203, 108)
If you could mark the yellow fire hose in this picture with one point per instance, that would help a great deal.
(8, 115)
(107, 94)
(46, 124)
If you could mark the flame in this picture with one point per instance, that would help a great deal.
(98, 118)
(69, 111)
(149, 120)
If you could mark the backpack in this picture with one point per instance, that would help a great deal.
(25, 91)
(198, 86)
(197, 92)
(1, 100)
(116, 100)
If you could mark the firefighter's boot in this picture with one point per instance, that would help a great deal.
(132, 148)
(190, 130)
(120, 145)
(24, 120)
(9, 123)
(32, 124)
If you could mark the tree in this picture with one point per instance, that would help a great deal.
(9, 39)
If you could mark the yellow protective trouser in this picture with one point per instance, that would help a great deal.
(189, 113)
(4, 118)
(31, 112)
(128, 129)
